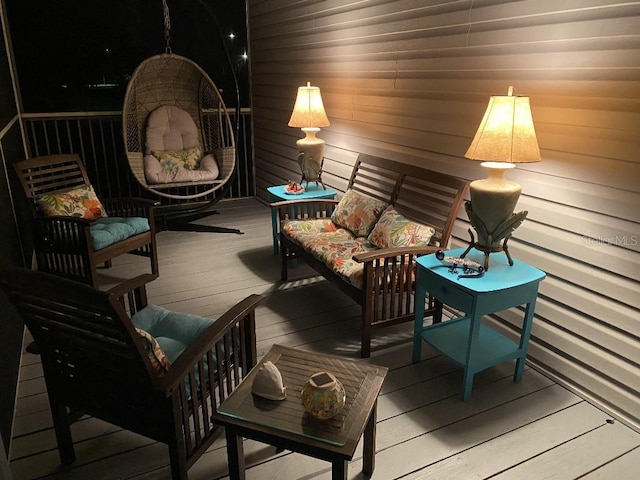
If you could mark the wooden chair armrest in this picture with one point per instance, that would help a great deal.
(132, 284)
(132, 294)
(129, 207)
(393, 252)
(81, 222)
(188, 359)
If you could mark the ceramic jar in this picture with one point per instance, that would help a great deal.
(323, 395)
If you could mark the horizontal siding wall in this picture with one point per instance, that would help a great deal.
(410, 80)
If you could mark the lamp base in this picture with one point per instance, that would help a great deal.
(311, 158)
(501, 247)
(490, 211)
(495, 240)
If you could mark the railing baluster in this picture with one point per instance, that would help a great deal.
(96, 137)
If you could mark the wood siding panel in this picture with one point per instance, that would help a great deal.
(410, 80)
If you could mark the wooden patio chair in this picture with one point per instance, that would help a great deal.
(98, 360)
(73, 231)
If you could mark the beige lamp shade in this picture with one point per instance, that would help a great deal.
(505, 136)
(308, 111)
(506, 133)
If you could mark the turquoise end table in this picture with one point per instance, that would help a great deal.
(467, 341)
(277, 194)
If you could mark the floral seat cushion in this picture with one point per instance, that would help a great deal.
(332, 245)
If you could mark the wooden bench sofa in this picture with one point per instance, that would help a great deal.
(378, 275)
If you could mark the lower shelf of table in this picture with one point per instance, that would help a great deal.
(451, 338)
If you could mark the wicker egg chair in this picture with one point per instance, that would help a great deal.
(170, 79)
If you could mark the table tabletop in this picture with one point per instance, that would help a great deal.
(310, 191)
(362, 383)
(500, 275)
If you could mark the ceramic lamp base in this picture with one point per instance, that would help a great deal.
(490, 211)
(311, 157)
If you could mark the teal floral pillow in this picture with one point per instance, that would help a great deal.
(188, 159)
(357, 212)
(395, 230)
(79, 202)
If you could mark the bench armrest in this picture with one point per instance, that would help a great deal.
(393, 252)
(302, 209)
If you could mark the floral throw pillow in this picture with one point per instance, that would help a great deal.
(357, 212)
(157, 356)
(79, 202)
(395, 230)
(188, 159)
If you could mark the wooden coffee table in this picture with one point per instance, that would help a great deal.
(285, 424)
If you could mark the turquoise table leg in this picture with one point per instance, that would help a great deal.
(524, 338)
(470, 366)
(274, 229)
(418, 308)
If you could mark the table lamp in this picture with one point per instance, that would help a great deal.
(505, 136)
(309, 115)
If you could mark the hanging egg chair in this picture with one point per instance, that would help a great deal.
(178, 134)
(172, 106)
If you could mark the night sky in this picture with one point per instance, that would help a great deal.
(61, 47)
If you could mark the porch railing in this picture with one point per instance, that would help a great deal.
(97, 138)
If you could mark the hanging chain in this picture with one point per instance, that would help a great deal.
(167, 26)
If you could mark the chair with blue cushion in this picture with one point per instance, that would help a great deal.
(73, 231)
(147, 369)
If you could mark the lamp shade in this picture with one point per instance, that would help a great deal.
(506, 133)
(308, 111)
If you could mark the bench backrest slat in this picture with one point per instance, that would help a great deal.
(422, 195)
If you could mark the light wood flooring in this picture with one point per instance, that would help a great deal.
(535, 429)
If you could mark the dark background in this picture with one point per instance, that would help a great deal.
(77, 55)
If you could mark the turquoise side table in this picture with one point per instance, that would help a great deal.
(277, 194)
(467, 341)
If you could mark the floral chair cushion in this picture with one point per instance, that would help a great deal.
(78, 202)
(395, 230)
(357, 212)
(170, 161)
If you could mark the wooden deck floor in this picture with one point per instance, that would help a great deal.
(534, 429)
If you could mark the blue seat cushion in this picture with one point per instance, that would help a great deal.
(174, 331)
(110, 230)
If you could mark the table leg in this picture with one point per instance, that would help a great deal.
(235, 455)
(369, 443)
(418, 323)
(524, 338)
(469, 365)
(339, 470)
(274, 231)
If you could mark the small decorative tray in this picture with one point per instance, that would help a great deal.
(293, 188)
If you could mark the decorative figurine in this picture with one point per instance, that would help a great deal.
(470, 269)
(293, 188)
(268, 383)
